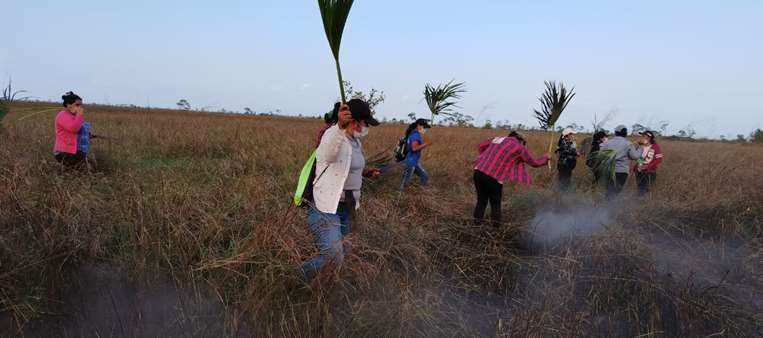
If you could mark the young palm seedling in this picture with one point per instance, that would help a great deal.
(441, 99)
(552, 103)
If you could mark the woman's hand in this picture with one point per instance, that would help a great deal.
(345, 116)
(371, 172)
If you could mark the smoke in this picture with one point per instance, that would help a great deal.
(551, 225)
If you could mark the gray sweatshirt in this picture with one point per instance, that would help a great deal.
(625, 153)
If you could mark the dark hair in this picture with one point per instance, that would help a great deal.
(70, 98)
(518, 136)
(622, 132)
(332, 117)
(416, 124)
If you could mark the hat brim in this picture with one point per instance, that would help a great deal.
(371, 121)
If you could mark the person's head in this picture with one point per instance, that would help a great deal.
(647, 137)
(361, 118)
(420, 125)
(568, 133)
(621, 130)
(599, 136)
(518, 136)
(72, 102)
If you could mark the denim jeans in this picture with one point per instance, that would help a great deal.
(329, 231)
(414, 169)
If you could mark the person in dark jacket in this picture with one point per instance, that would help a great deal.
(567, 153)
(598, 138)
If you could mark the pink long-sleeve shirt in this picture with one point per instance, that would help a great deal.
(67, 127)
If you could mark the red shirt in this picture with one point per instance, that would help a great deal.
(504, 158)
(651, 158)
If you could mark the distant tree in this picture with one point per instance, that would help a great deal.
(488, 124)
(757, 136)
(373, 98)
(638, 128)
(183, 104)
(248, 111)
(459, 120)
(576, 127)
(412, 116)
(741, 138)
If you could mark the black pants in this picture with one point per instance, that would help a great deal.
(645, 181)
(71, 160)
(565, 177)
(614, 187)
(488, 190)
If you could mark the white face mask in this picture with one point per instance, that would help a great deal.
(362, 133)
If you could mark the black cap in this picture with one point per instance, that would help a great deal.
(359, 110)
(647, 133)
(424, 123)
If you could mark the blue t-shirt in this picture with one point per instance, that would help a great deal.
(412, 158)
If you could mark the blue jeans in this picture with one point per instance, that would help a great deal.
(414, 169)
(328, 231)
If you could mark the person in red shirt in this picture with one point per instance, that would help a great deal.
(501, 160)
(650, 160)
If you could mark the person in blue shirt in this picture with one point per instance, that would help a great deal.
(415, 144)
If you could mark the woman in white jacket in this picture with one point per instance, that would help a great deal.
(336, 190)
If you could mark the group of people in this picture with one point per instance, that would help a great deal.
(341, 167)
(646, 153)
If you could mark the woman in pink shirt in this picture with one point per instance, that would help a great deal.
(68, 123)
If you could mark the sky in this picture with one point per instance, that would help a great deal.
(695, 64)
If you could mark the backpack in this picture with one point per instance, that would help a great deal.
(401, 150)
(303, 196)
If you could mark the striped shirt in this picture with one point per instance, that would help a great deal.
(504, 158)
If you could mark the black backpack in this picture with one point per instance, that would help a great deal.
(401, 151)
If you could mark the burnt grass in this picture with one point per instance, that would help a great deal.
(186, 229)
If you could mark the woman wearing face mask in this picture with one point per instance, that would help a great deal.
(68, 124)
(415, 144)
(339, 171)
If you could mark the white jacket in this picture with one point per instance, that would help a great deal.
(333, 165)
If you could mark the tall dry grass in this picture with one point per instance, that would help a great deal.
(206, 197)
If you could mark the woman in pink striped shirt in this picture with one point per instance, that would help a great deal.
(68, 123)
(501, 159)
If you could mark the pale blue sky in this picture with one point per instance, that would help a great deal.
(686, 62)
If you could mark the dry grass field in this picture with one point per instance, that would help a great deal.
(194, 210)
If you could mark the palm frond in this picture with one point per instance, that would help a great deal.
(440, 99)
(334, 14)
(604, 163)
(554, 100)
(9, 96)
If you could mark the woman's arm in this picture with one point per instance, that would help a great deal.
(483, 146)
(527, 158)
(416, 145)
